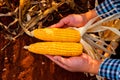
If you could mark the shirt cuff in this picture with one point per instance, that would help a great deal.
(110, 69)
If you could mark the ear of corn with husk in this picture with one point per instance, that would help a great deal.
(57, 34)
(77, 35)
(60, 41)
(56, 48)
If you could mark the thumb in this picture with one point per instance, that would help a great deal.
(63, 22)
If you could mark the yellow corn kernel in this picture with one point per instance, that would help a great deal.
(56, 48)
(57, 34)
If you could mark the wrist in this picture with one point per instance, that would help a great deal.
(94, 66)
(90, 14)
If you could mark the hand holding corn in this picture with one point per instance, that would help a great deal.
(82, 63)
(75, 20)
(61, 35)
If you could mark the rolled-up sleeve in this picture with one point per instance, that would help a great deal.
(110, 69)
(108, 7)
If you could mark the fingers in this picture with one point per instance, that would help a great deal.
(62, 60)
(50, 57)
(57, 25)
(59, 61)
(62, 23)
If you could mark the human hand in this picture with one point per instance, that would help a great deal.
(82, 63)
(75, 20)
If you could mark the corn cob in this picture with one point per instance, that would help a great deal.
(57, 34)
(56, 48)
